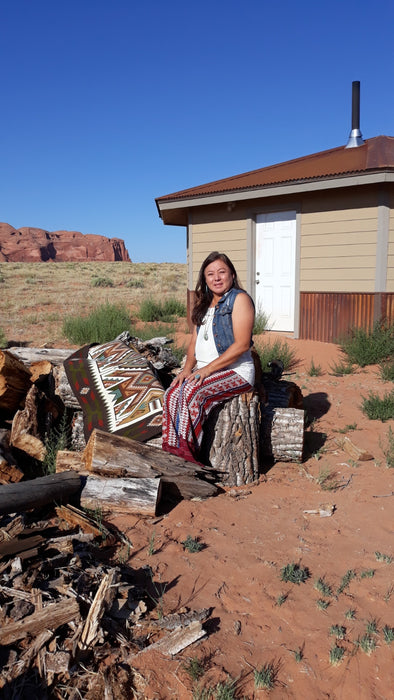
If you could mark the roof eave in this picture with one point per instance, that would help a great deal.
(175, 212)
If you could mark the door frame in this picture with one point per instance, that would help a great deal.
(251, 253)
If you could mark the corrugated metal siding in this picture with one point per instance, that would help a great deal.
(328, 316)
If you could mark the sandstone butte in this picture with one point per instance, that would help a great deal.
(36, 245)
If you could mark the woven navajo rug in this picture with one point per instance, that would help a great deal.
(117, 390)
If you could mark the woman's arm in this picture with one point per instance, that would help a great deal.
(243, 322)
(190, 361)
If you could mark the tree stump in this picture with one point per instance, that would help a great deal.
(231, 440)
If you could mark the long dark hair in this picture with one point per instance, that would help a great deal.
(203, 295)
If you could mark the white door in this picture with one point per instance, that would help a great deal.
(275, 268)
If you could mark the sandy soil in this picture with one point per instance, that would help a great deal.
(250, 533)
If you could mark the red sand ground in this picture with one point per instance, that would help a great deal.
(249, 533)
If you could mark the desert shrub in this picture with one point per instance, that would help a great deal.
(386, 370)
(261, 322)
(151, 310)
(278, 350)
(388, 449)
(3, 340)
(135, 284)
(339, 369)
(102, 282)
(103, 324)
(294, 573)
(369, 347)
(377, 408)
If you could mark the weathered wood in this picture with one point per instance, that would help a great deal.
(355, 452)
(111, 455)
(24, 431)
(121, 495)
(181, 638)
(51, 617)
(283, 434)
(104, 597)
(39, 370)
(14, 382)
(9, 471)
(37, 492)
(68, 459)
(56, 356)
(74, 516)
(63, 388)
(231, 440)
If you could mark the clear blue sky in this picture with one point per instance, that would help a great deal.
(107, 104)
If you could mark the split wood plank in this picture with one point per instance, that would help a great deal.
(24, 431)
(181, 638)
(122, 495)
(14, 382)
(355, 452)
(104, 597)
(51, 617)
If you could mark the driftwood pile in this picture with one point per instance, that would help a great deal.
(66, 612)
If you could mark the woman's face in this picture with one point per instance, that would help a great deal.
(218, 277)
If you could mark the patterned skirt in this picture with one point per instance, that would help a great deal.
(186, 407)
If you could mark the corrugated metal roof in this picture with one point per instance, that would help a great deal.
(375, 154)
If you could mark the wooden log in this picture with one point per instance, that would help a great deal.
(63, 388)
(51, 617)
(355, 452)
(9, 471)
(174, 642)
(231, 440)
(38, 492)
(14, 382)
(122, 495)
(283, 434)
(56, 356)
(68, 459)
(24, 431)
(39, 370)
(112, 455)
(104, 597)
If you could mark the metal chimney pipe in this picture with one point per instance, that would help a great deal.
(355, 136)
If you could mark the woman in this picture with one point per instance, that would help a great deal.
(218, 365)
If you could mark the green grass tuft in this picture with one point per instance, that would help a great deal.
(336, 655)
(261, 323)
(168, 310)
(363, 347)
(388, 634)
(314, 370)
(377, 408)
(265, 677)
(105, 323)
(386, 370)
(367, 643)
(102, 282)
(294, 573)
(339, 369)
(323, 587)
(388, 449)
(278, 350)
(322, 604)
(192, 544)
(345, 581)
(338, 631)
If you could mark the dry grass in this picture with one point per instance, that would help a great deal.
(36, 297)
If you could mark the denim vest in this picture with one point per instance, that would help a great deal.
(222, 325)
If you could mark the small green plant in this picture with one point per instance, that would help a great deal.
(3, 340)
(56, 439)
(265, 677)
(367, 573)
(105, 323)
(281, 599)
(369, 347)
(327, 479)
(338, 631)
(346, 428)
(322, 604)
(388, 594)
(336, 655)
(299, 654)
(383, 557)
(371, 627)
(366, 643)
(278, 350)
(340, 369)
(314, 370)
(135, 284)
(388, 634)
(151, 310)
(378, 408)
(261, 322)
(194, 669)
(345, 581)
(102, 282)
(225, 690)
(386, 370)
(151, 547)
(192, 544)
(350, 614)
(323, 587)
(388, 449)
(294, 573)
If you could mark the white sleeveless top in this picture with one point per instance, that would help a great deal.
(206, 351)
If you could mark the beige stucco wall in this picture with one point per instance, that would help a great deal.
(215, 229)
(338, 242)
(390, 256)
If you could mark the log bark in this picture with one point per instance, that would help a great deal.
(63, 388)
(55, 356)
(24, 431)
(121, 495)
(14, 382)
(107, 454)
(283, 434)
(38, 492)
(231, 440)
